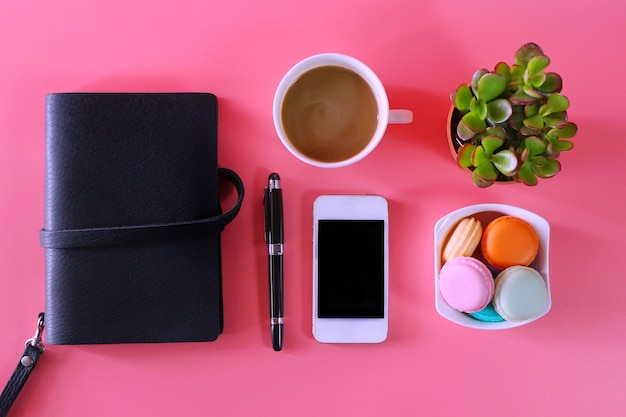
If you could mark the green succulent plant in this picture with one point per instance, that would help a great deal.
(512, 123)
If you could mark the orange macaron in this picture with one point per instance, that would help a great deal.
(509, 241)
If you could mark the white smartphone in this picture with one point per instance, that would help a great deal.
(350, 269)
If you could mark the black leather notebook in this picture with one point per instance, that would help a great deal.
(132, 254)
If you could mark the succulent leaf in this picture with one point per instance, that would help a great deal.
(548, 168)
(462, 98)
(556, 103)
(495, 131)
(559, 145)
(556, 120)
(505, 161)
(537, 160)
(534, 122)
(490, 86)
(537, 80)
(486, 171)
(565, 132)
(521, 98)
(479, 108)
(499, 111)
(552, 84)
(473, 122)
(524, 155)
(477, 75)
(464, 155)
(531, 110)
(537, 64)
(479, 156)
(531, 92)
(464, 132)
(491, 143)
(517, 74)
(527, 131)
(534, 145)
(504, 70)
(480, 182)
(526, 52)
(526, 175)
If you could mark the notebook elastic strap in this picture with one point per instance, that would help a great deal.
(108, 236)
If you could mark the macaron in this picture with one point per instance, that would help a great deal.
(509, 241)
(466, 284)
(488, 314)
(463, 240)
(520, 293)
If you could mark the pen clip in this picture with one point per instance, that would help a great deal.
(266, 212)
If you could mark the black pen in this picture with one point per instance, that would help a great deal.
(273, 208)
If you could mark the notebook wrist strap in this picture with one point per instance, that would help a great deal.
(34, 348)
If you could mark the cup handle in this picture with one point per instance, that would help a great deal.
(400, 116)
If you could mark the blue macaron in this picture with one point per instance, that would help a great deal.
(487, 314)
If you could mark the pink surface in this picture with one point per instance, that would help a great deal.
(570, 362)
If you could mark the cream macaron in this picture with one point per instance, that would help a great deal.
(520, 293)
(463, 240)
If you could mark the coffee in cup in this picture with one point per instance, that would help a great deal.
(331, 110)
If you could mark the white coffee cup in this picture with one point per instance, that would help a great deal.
(385, 116)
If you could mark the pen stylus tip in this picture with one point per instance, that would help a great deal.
(274, 176)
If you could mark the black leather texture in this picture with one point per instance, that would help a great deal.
(132, 218)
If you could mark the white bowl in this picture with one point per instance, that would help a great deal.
(486, 213)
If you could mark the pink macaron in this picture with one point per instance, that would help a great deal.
(466, 284)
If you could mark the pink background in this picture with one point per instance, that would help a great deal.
(572, 362)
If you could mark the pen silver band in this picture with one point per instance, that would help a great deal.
(274, 184)
(276, 320)
(275, 248)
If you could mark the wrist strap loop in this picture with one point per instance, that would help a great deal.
(28, 360)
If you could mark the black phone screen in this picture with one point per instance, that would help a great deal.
(351, 269)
